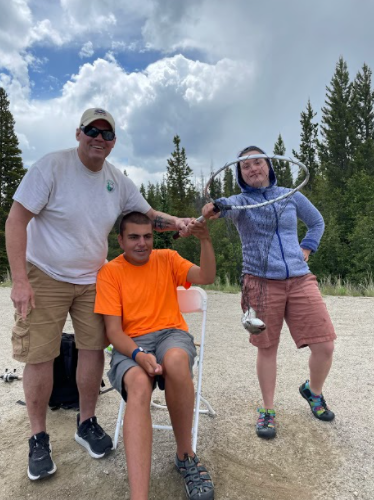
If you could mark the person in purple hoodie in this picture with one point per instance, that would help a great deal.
(277, 283)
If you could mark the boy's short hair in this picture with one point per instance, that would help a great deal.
(134, 217)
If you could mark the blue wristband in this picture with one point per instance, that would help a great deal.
(135, 352)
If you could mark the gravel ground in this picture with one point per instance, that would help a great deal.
(308, 459)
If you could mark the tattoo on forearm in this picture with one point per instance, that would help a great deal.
(161, 223)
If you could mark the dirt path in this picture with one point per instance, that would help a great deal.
(308, 459)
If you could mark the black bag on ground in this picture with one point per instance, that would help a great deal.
(65, 390)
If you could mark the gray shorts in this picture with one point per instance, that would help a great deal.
(156, 343)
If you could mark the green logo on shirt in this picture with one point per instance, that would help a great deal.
(110, 185)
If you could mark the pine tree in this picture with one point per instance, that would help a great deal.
(152, 196)
(181, 190)
(308, 146)
(201, 197)
(11, 171)
(336, 148)
(362, 104)
(164, 239)
(282, 168)
(229, 186)
(215, 187)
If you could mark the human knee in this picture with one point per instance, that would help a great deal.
(268, 352)
(92, 356)
(323, 349)
(329, 348)
(36, 374)
(175, 363)
(37, 383)
(138, 385)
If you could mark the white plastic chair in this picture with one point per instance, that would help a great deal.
(192, 300)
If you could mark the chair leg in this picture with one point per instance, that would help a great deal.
(156, 405)
(119, 423)
(195, 427)
(210, 410)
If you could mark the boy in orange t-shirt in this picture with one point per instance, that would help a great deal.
(137, 294)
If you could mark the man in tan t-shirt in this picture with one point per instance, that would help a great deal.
(56, 238)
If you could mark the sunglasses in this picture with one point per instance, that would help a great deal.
(107, 135)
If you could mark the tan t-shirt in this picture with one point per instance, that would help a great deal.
(75, 209)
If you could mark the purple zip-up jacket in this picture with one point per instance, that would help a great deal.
(268, 234)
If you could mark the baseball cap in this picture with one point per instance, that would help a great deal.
(92, 114)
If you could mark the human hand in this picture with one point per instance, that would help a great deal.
(182, 224)
(149, 363)
(199, 229)
(306, 253)
(209, 211)
(22, 296)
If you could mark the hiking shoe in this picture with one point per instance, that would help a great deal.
(40, 457)
(265, 426)
(317, 403)
(93, 437)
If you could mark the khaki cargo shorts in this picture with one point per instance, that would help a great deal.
(37, 338)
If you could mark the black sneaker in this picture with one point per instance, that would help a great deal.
(93, 437)
(40, 457)
(317, 403)
(265, 427)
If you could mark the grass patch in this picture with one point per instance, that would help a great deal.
(6, 280)
(340, 287)
(223, 286)
(329, 286)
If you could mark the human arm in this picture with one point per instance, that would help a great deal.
(126, 345)
(165, 222)
(306, 253)
(313, 220)
(22, 293)
(206, 272)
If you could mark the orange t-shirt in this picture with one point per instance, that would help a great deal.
(144, 296)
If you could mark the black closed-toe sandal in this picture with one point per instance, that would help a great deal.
(198, 483)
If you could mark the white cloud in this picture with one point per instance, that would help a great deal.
(15, 23)
(25, 24)
(24, 144)
(36, 63)
(139, 175)
(134, 46)
(44, 31)
(87, 50)
(119, 46)
(107, 19)
(218, 29)
(173, 96)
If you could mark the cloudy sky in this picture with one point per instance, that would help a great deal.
(222, 74)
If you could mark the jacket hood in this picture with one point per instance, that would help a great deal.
(245, 188)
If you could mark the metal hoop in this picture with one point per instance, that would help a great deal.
(266, 157)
